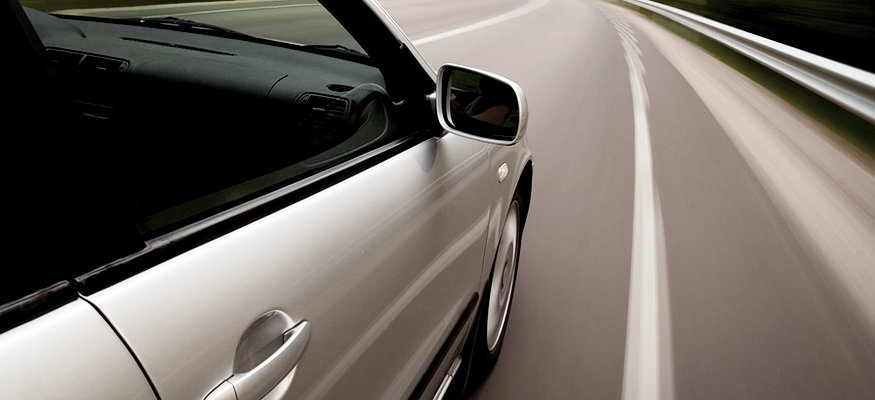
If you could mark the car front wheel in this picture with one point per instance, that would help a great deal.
(497, 298)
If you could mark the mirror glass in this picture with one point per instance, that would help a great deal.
(480, 105)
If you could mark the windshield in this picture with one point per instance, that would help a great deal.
(303, 22)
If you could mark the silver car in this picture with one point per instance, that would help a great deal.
(259, 199)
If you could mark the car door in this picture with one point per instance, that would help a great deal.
(249, 267)
(353, 274)
(381, 266)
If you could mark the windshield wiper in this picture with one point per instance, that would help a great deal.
(336, 47)
(178, 23)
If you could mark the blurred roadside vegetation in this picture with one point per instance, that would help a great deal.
(841, 30)
(57, 5)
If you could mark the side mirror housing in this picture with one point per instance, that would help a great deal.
(480, 105)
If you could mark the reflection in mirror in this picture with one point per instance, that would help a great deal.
(481, 104)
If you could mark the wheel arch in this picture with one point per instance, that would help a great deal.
(524, 188)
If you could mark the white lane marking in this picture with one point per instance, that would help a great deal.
(648, 370)
(224, 10)
(525, 9)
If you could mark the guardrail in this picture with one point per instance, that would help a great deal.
(849, 87)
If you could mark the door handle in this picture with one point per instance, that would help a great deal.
(256, 383)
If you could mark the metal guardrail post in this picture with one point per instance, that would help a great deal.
(849, 87)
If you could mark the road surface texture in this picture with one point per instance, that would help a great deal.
(759, 282)
(690, 237)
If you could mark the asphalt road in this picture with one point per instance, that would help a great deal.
(681, 280)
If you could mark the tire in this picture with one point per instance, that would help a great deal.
(498, 296)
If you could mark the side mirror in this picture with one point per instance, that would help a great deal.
(479, 105)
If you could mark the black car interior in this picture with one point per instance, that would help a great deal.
(201, 121)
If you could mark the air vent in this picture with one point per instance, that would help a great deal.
(69, 60)
(102, 65)
(64, 59)
(339, 88)
(326, 116)
(91, 79)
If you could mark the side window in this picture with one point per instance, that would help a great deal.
(191, 109)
